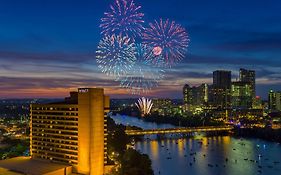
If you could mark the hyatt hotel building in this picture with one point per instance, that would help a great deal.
(73, 131)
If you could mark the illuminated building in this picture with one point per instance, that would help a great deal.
(187, 94)
(241, 95)
(253, 114)
(274, 101)
(73, 131)
(162, 106)
(257, 103)
(219, 93)
(195, 97)
(160, 102)
(248, 76)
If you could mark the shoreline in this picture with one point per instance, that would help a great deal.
(268, 134)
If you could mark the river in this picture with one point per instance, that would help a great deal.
(219, 155)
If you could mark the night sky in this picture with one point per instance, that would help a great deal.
(47, 48)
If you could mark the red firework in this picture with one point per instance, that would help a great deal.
(170, 40)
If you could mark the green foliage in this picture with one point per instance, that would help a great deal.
(116, 139)
(131, 161)
(15, 148)
(134, 163)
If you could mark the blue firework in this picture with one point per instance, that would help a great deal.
(116, 55)
(124, 18)
(143, 76)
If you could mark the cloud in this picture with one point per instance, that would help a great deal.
(205, 60)
(47, 82)
(266, 44)
(51, 87)
(58, 57)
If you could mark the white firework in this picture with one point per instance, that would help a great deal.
(115, 55)
(143, 76)
(144, 105)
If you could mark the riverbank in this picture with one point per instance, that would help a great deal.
(126, 160)
(160, 122)
(189, 121)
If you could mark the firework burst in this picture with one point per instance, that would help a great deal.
(115, 55)
(143, 76)
(144, 105)
(167, 39)
(123, 19)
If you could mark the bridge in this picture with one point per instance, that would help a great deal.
(178, 130)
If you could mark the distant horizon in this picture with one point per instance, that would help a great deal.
(48, 48)
(126, 95)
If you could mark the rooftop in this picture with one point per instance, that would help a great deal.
(26, 165)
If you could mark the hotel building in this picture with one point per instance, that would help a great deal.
(72, 132)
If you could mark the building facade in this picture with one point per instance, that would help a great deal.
(241, 95)
(162, 106)
(195, 97)
(274, 101)
(72, 132)
(222, 79)
(219, 93)
(249, 76)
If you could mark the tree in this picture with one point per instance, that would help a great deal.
(134, 163)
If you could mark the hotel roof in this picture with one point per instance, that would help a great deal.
(26, 165)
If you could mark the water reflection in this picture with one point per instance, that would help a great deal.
(202, 155)
(154, 149)
(213, 156)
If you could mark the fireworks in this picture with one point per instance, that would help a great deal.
(123, 19)
(167, 39)
(143, 76)
(144, 105)
(138, 67)
(115, 55)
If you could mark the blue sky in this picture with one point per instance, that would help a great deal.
(47, 48)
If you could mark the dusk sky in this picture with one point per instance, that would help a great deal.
(47, 48)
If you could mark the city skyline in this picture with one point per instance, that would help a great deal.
(53, 52)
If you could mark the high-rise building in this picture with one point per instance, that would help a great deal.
(73, 131)
(249, 76)
(195, 97)
(222, 79)
(187, 94)
(219, 92)
(274, 101)
(241, 95)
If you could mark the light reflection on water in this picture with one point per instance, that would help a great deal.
(224, 155)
